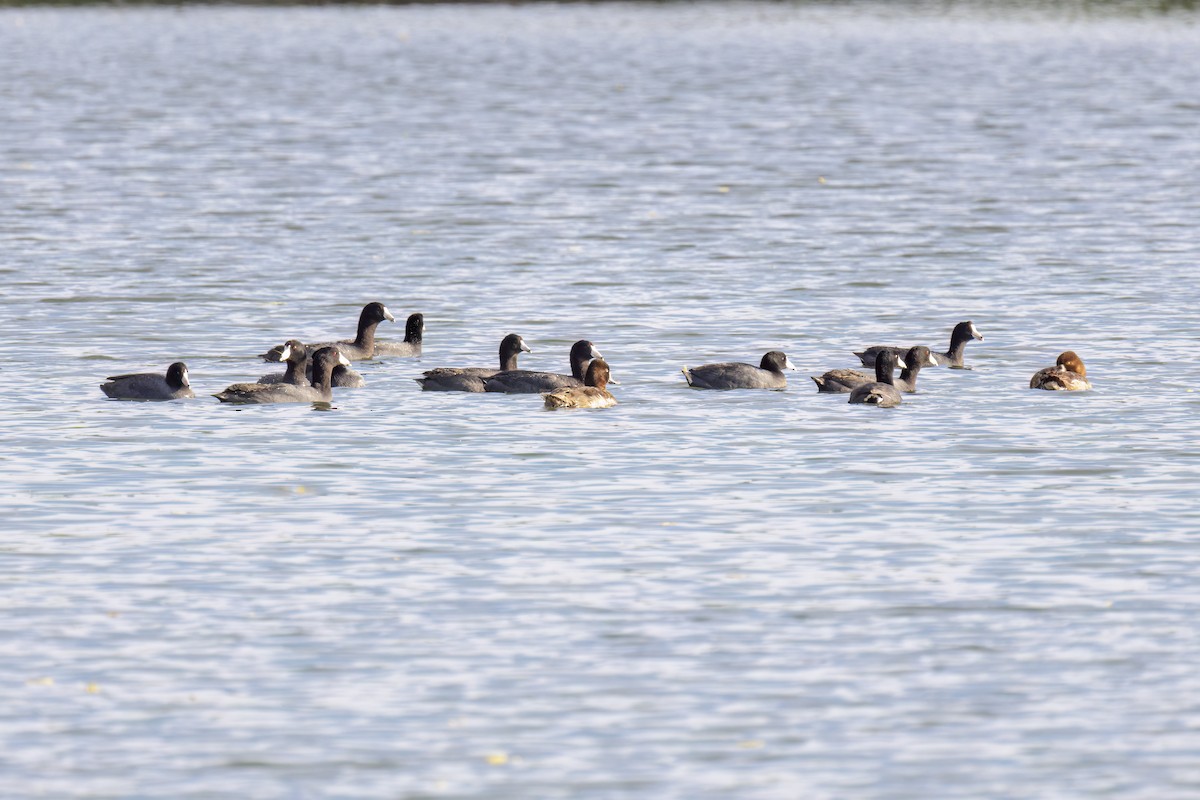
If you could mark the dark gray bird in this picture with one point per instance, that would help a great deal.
(963, 332)
(150, 385)
(734, 375)
(472, 379)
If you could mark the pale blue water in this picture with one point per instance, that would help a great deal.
(988, 592)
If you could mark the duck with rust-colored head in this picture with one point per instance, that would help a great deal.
(593, 394)
(1067, 375)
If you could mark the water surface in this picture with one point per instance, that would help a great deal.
(988, 592)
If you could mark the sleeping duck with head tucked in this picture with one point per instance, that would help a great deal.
(593, 394)
(1067, 375)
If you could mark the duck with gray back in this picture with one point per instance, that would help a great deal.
(414, 335)
(963, 333)
(319, 391)
(471, 379)
(881, 392)
(735, 375)
(593, 394)
(150, 385)
(522, 381)
(361, 348)
(1067, 375)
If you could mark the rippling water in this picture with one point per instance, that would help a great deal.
(987, 592)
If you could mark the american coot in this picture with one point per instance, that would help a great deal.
(414, 334)
(320, 390)
(1067, 375)
(522, 381)
(767, 375)
(299, 369)
(471, 379)
(363, 346)
(880, 393)
(150, 385)
(910, 365)
(963, 332)
(593, 394)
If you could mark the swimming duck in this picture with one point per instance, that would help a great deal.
(963, 332)
(471, 379)
(593, 394)
(150, 385)
(522, 381)
(320, 390)
(733, 375)
(1068, 374)
(881, 392)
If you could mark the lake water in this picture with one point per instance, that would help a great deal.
(987, 592)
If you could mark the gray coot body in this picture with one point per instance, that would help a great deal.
(1067, 375)
(733, 375)
(414, 334)
(963, 332)
(521, 381)
(593, 394)
(361, 348)
(150, 385)
(472, 379)
(320, 390)
(881, 392)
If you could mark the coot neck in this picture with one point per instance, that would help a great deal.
(366, 333)
(958, 345)
(322, 379)
(297, 370)
(884, 369)
(578, 362)
(508, 360)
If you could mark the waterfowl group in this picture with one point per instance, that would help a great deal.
(318, 390)
(314, 370)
